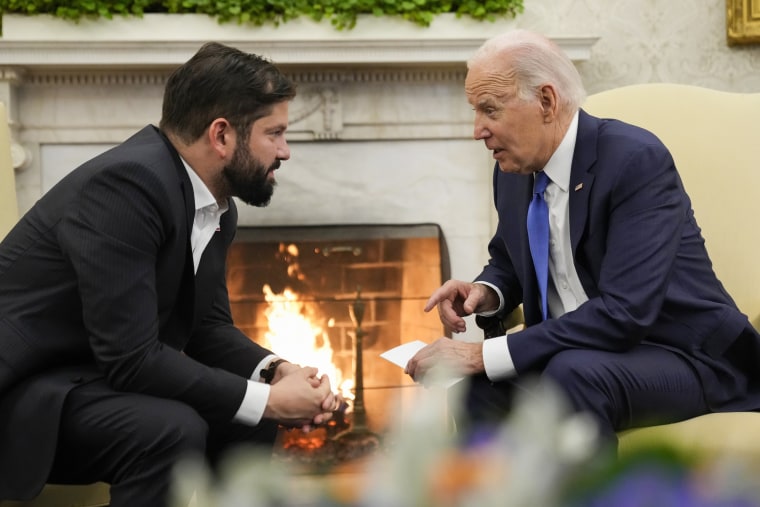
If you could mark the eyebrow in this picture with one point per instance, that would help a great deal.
(486, 102)
(276, 126)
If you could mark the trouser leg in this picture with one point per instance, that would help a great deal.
(645, 386)
(226, 438)
(128, 440)
(133, 442)
(480, 405)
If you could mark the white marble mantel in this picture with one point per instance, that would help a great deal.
(380, 131)
(167, 40)
(42, 52)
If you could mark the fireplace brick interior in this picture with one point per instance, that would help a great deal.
(395, 268)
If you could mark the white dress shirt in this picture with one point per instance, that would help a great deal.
(208, 213)
(565, 292)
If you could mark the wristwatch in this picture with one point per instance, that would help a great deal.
(268, 373)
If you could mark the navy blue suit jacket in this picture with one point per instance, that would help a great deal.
(97, 281)
(641, 259)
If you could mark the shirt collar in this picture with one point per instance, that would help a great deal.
(201, 194)
(558, 167)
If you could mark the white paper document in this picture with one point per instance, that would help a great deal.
(401, 355)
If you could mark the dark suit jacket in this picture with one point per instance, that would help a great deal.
(97, 280)
(641, 259)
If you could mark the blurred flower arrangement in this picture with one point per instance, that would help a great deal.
(542, 456)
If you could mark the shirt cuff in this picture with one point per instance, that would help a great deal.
(496, 359)
(254, 403)
(501, 300)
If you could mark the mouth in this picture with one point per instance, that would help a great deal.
(273, 168)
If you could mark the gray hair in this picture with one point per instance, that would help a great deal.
(535, 60)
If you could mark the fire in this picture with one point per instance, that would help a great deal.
(294, 336)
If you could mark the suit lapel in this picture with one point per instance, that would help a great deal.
(581, 180)
(211, 270)
(207, 275)
(189, 292)
(182, 316)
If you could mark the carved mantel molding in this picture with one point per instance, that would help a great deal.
(53, 72)
(157, 40)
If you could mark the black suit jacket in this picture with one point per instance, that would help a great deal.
(97, 280)
(641, 259)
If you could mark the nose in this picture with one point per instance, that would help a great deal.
(480, 132)
(283, 151)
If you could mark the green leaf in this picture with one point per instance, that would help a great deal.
(342, 14)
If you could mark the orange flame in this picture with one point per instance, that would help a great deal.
(293, 335)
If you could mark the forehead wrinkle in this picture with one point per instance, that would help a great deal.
(495, 84)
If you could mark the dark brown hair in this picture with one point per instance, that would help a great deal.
(221, 82)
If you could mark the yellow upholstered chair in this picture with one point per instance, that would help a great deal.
(714, 138)
(52, 495)
(8, 204)
(55, 495)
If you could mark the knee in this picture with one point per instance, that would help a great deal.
(177, 427)
(190, 430)
(587, 385)
(582, 378)
(567, 369)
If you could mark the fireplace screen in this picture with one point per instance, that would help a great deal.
(291, 289)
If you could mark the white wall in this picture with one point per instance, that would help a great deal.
(674, 41)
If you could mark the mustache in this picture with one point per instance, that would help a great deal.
(275, 165)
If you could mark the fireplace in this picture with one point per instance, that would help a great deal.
(293, 289)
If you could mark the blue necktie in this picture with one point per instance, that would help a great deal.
(538, 236)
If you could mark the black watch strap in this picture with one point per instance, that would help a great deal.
(268, 373)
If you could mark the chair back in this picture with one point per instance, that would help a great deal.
(714, 139)
(8, 203)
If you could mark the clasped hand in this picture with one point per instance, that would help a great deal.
(300, 398)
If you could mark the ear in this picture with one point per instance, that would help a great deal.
(548, 99)
(221, 137)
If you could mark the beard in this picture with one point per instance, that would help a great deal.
(247, 177)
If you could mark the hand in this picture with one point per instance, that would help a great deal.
(449, 357)
(284, 369)
(298, 395)
(456, 299)
(331, 403)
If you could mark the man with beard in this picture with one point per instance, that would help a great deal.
(118, 354)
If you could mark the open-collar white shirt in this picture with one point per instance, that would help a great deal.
(208, 213)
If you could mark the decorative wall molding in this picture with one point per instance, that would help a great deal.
(317, 113)
(139, 77)
(95, 78)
